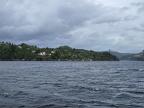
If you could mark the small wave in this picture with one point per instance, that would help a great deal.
(140, 81)
(58, 84)
(131, 69)
(48, 106)
(63, 106)
(84, 88)
(43, 83)
(22, 106)
(99, 103)
(122, 96)
(129, 106)
(4, 94)
(141, 70)
(136, 92)
(134, 69)
(118, 72)
(20, 93)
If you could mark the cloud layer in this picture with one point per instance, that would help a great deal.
(90, 24)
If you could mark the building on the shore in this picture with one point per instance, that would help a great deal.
(42, 53)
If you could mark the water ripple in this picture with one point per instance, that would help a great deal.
(72, 84)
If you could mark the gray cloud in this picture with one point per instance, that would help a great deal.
(89, 24)
(140, 6)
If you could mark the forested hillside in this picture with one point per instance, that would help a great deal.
(9, 51)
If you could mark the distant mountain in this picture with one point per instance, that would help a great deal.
(129, 56)
(120, 55)
(142, 52)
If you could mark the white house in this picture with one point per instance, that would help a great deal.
(20, 47)
(52, 52)
(33, 51)
(42, 53)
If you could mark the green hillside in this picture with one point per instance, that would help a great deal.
(9, 51)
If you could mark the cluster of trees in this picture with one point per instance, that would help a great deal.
(68, 53)
(9, 51)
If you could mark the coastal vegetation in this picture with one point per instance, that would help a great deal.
(10, 51)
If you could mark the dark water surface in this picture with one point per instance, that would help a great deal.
(72, 84)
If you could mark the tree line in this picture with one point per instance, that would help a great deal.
(10, 51)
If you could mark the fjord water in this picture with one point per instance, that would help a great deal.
(106, 84)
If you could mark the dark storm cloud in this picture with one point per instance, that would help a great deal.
(44, 19)
(90, 24)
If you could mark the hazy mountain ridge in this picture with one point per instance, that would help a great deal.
(129, 56)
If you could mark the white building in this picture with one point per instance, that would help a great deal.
(20, 47)
(52, 52)
(42, 53)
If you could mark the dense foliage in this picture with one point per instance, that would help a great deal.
(9, 51)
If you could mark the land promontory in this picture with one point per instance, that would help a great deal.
(25, 52)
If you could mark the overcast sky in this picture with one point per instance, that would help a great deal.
(97, 25)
